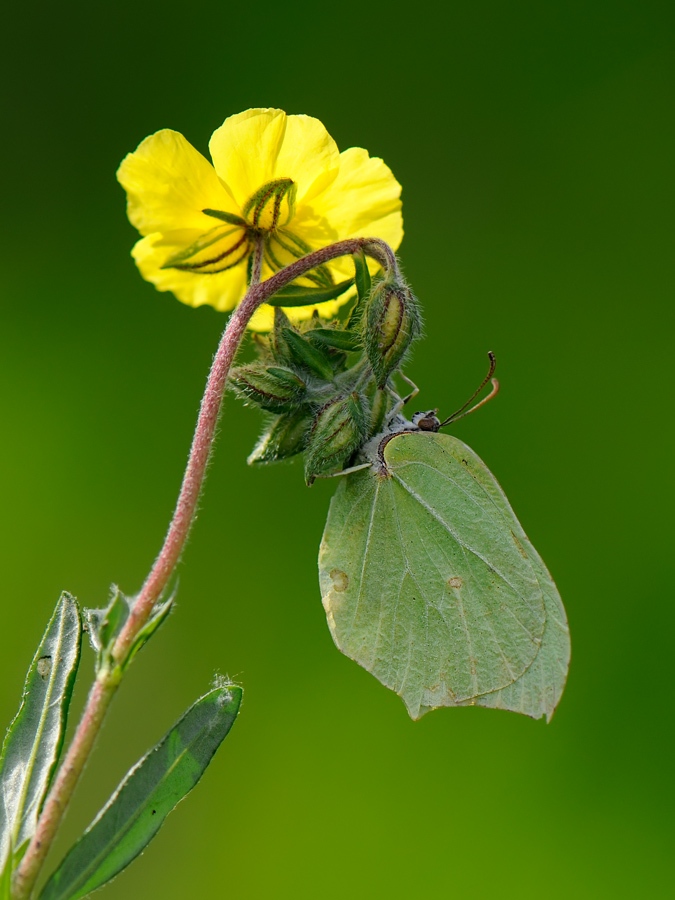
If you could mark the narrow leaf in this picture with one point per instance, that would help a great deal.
(137, 809)
(363, 286)
(158, 617)
(299, 295)
(33, 743)
(6, 881)
(335, 337)
(306, 355)
(361, 275)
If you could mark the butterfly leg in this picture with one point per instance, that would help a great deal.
(401, 402)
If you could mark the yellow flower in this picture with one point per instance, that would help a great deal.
(274, 174)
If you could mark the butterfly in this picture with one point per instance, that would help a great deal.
(429, 581)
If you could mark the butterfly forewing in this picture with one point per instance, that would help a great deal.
(425, 580)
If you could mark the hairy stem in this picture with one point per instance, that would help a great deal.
(107, 681)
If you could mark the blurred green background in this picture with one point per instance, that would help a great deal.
(534, 142)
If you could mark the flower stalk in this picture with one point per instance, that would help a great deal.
(109, 677)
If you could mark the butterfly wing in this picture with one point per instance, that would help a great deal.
(425, 577)
(538, 691)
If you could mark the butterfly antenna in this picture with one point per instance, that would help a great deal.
(495, 388)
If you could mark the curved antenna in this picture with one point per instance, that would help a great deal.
(495, 388)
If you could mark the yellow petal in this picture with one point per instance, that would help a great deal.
(308, 155)
(244, 150)
(222, 291)
(261, 145)
(168, 183)
(363, 201)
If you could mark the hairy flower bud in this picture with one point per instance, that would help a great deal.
(306, 355)
(273, 388)
(338, 431)
(284, 437)
(391, 322)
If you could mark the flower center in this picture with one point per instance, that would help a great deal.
(226, 245)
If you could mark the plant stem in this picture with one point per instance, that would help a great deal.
(107, 680)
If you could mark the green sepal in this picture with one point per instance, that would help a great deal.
(363, 287)
(33, 743)
(306, 355)
(285, 437)
(274, 388)
(210, 237)
(149, 792)
(230, 218)
(300, 295)
(361, 275)
(263, 209)
(338, 431)
(336, 338)
(278, 343)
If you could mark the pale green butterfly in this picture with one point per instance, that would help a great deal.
(430, 583)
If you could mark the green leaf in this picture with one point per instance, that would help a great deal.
(34, 740)
(363, 287)
(150, 791)
(159, 615)
(306, 355)
(299, 295)
(429, 582)
(335, 337)
(6, 881)
(104, 626)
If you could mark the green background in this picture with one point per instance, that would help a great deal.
(534, 142)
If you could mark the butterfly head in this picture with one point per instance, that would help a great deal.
(426, 421)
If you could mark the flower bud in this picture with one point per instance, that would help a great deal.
(338, 431)
(285, 437)
(306, 355)
(391, 322)
(274, 388)
(278, 344)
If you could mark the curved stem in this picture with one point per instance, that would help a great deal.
(107, 681)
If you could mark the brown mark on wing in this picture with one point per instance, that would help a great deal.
(340, 580)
